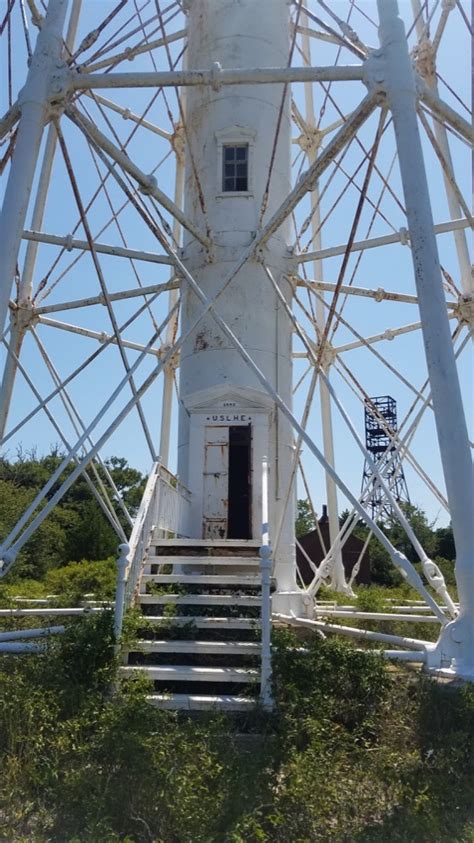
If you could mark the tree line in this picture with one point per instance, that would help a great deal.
(76, 529)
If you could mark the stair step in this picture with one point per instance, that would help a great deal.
(204, 579)
(199, 600)
(240, 543)
(205, 623)
(184, 673)
(235, 648)
(192, 702)
(230, 561)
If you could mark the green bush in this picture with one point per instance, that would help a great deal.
(352, 752)
(75, 580)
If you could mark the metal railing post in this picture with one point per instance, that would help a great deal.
(122, 565)
(266, 612)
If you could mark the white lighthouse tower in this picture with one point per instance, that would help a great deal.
(237, 175)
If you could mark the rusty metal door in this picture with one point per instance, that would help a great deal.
(216, 483)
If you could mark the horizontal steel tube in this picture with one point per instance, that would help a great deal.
(20, 647)
(237, 76)
(43, 632)
(118, 296)
(402, 655)
(444, 112)
(385, 240)
(377, 616)
(15, 613)
(353, 632)
(103, 248)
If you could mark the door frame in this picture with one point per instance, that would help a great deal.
(258, 419)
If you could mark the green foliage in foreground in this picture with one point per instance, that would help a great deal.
(353, 752)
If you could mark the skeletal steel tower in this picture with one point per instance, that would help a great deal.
(232, 289)
(380, 429)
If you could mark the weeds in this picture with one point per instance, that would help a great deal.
(351, 753)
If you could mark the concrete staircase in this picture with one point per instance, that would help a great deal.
(200, 643)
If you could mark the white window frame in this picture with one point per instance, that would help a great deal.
(234, 136)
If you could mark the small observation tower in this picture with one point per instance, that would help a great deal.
(380, 428)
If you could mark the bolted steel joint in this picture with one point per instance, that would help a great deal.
(24, 314)
(149, 186)
(375, 73)
(7, 559)
(404, 236)
(464, 310)
(216, 70)
(424, 58)
(178, 141)
(265, 552)
(122, 559)
(310, 140)
(328, 356)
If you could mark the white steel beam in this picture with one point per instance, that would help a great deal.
(456, 648)
(388, 335)
(130, 115)
(109, 513)
(403, 236)
(25, 286)
(147, 183)
(217, 76)
(103, 248)
(120, 295)
(379, 295)
(321, 36)
(309, 178)
(171, 330)
(131, 52)
(445, 113)
(77, 371)
(100, 336)
(427, 69)
(34, 110)
(9, 119)
(338, 577)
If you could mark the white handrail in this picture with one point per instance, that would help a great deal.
(265, 567)
(162, 508)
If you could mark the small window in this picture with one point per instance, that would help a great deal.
(235, 168)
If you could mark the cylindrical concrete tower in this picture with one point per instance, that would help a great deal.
(236, 177)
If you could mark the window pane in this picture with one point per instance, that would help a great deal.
(235, 168)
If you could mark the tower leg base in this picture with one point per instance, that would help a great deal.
(452, 657)
(289, 603)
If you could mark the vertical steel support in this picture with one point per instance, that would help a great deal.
(338, 578)
(19, 325)
(455, 648)
(34, 109)
(168, 376)
(455, 210)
